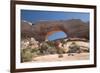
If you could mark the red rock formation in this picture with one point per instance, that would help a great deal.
(40, 30)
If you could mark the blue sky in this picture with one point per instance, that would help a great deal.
(34, 16)
(57, 35)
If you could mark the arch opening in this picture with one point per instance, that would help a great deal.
(55, 35)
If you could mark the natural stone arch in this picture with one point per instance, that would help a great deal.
(46, 30)
(53, 32)
(73, 28)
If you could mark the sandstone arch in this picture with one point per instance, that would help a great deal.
(53, 32)
(39, 30)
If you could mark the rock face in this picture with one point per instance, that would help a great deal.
(74, 28)
(29, 43)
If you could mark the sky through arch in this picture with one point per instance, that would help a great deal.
(57, 35)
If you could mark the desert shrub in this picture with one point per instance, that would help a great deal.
(53, 50)
(26, 55)
(35, 52)
(51, 43)
(48, 48)
(74, 48)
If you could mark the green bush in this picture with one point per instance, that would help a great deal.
(26, 55)
(35, 52)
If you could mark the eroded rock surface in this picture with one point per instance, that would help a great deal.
(74, 28)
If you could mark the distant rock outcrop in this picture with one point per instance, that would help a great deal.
(74, 28)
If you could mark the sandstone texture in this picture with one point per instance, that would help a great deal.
(74, 28)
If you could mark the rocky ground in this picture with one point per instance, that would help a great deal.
(32, 50)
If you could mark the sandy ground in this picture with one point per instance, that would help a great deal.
(81, 56)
